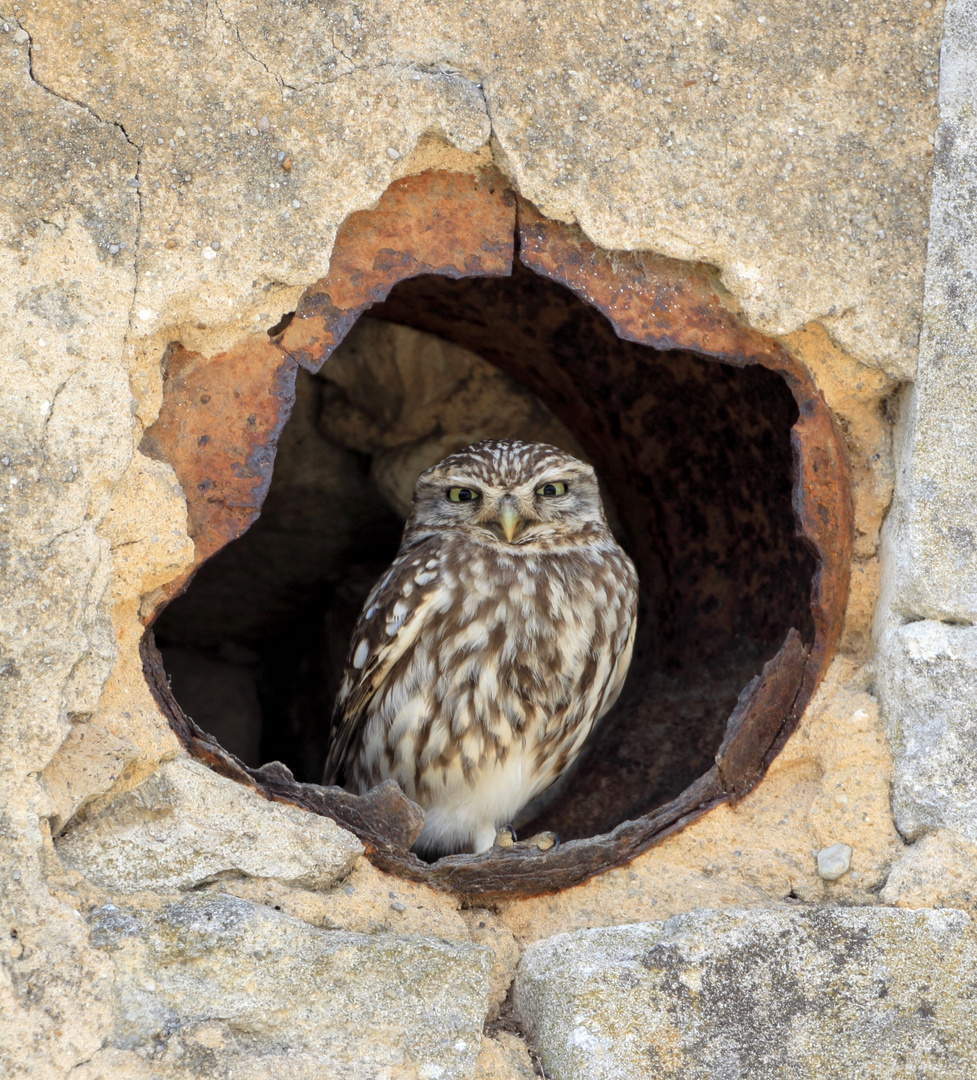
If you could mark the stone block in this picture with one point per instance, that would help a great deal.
(940, 870)
(87, 764)
(226, 987)
(932, 543)
(186, 825)
(873, 993)
(927, 685)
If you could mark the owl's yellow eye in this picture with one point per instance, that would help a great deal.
(462, 494)
(557, 487)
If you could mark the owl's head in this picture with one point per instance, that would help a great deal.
(507, 492)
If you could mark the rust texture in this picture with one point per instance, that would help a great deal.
(218, 427)
(764, 706)
(729, 589)
(221, 416)
(437, 223)
(667, 304)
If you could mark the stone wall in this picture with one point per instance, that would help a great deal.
(177, 173)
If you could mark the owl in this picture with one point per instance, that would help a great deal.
(499, 636)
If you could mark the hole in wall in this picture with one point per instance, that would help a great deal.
(703, 462)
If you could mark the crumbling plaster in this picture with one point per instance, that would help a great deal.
(178, 172)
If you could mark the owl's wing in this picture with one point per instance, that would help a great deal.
(620, 671)
(387, 628)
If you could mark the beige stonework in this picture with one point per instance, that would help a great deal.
(830, 784)
(179, 174)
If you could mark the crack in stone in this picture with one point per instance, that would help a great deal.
(64, 533)
(279, 79)
(441, 70)
(349, 60)
(51, 405)
(125, 134)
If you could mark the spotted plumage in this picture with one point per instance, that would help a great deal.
(498, 637)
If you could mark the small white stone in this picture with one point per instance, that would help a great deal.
(21, 36)
(392, 153)
(834, 861)
(180, 133)
(209, 253)
(146, 314)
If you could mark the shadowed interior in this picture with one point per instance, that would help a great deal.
(695, 456)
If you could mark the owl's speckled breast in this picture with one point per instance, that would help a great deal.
(497, 638)
(505, 684)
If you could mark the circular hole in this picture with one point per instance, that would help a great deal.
(695, 462)
(731, 498)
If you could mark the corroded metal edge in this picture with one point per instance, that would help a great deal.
(455, 224)
(218, 427)
(459, 226)
(385, 820)
(669, 304)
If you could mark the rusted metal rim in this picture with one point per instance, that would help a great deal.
(458, 225)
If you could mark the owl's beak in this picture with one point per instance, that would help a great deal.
(511, 521)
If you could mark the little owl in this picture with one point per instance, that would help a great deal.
(498, 637)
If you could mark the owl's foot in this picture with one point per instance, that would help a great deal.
(542, 841)
(505, 837)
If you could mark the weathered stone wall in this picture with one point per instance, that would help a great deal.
(178, 172)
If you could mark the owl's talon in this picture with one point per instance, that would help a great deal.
(505, 837)
(542, 841)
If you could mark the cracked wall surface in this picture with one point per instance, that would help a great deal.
(178, 172)
(789, 147)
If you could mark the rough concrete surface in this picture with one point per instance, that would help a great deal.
(932, 535)
(869, 993)
(827, 110)
(940, 870)
(177, 172)
(172, 832)
(927, 681)
(370, 1004)
(927, 641)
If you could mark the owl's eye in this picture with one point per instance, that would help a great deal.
(555, 488)
(462, 494)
